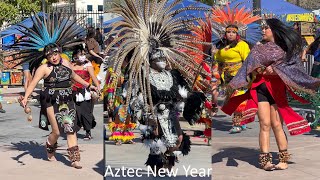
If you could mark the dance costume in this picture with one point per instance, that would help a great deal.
(42, 41)
(57, 93)
(230, 55)
(229, 61)
(121, 128)
(290, 75)
(83, 100)
(155, 95)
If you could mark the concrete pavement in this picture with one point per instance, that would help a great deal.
(235, 156)
(23, 155)
(10, 94)
(135, 155)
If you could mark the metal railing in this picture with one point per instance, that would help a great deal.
(309, 63)
(92, 18)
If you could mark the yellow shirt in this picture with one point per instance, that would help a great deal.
(233, 55)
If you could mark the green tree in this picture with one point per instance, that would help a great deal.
(7, 12)
(12, 11)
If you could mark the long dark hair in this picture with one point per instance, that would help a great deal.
(288, 39)
(314, 46)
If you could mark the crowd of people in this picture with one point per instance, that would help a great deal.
(252, 73)
(159, 76)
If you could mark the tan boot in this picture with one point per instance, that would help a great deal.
(74, 156)
(51, 149)
(284, 156)
(265, 161)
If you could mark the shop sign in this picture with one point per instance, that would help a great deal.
(307, 17)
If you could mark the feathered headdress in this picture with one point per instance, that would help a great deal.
(148, 27)
(53, 28)
(202, 32)
(222, 18)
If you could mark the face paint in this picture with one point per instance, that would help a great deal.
(82, 58)
(161, 65)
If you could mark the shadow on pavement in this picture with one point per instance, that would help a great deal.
(99, 167)
(110, 173)
(315, 133)
(248, 155)
(35, 150)
(237, 153)
(223, 125)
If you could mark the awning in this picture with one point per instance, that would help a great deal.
(277, 7)
(13, 29)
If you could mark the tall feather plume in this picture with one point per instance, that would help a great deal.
(51, 28)
(145, 21)
(241, 18)
(202, 32)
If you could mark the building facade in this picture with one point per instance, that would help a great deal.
(90, 13)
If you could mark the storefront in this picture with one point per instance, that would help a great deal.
(306, 23)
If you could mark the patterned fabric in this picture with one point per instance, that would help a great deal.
(121, 128)
(291, 72)
(74, 154)
(295, 123)
(58, 94)
(228, 71)
(291, 76)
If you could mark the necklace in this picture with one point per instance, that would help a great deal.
(161, 80)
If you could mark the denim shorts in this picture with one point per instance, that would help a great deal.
(25, 66)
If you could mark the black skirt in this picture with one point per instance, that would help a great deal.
(64, 109)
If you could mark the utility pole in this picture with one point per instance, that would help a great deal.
(257, 7)
(43, 6)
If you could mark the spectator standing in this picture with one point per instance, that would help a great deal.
(99, 38)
